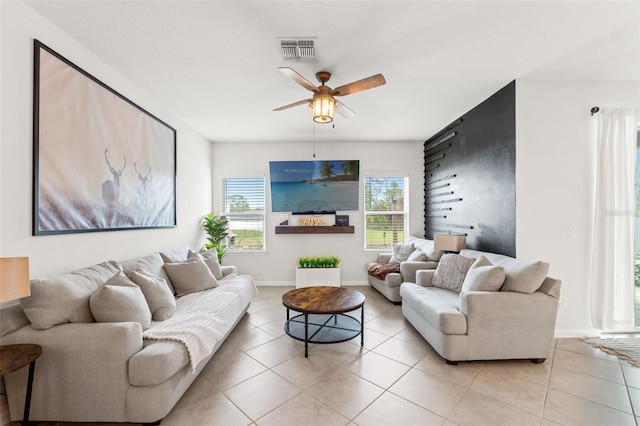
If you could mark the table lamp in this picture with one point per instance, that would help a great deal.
(14, 278)
(450, 242)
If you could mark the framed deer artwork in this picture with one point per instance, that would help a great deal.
(100, 162)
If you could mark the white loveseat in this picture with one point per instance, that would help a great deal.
(408, 258)
(114, 371)
(505, 309)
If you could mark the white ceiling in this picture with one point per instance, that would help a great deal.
(214, 63)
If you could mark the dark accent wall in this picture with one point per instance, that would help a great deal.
(470, 180)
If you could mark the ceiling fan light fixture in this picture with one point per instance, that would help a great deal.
(323, 106)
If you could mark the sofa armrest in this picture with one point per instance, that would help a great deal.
(383, 258)
(228, 270)
(82, 373)
(408, 269)
(517, 324)
(424, 277)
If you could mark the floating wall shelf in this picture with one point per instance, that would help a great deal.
(315, 229)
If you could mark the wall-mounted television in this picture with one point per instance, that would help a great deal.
(314, 186)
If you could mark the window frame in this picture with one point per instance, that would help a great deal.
(229, 215)
(405, 208)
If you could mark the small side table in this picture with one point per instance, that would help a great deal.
(13, 358)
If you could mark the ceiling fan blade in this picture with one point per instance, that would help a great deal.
(289, 72)
(360, 85)
(295, 104)
(344, 110)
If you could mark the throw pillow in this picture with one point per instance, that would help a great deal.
(427, 247)
(65, 298)
(157, 294)
(417, 256)
(401, 252)
(211, 259)
(191, 276)
(524, 276)
(483, 276)
(451, 271)
(120, 300)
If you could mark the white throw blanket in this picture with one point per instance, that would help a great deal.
(203, 318)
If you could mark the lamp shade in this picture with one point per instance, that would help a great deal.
(450, 242)
(14, 278)
(323, 108)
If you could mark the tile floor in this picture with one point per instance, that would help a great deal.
(260, 377)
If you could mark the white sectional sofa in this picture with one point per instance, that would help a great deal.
(98, 363)
(505, 308)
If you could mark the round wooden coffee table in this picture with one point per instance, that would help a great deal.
(323, 315)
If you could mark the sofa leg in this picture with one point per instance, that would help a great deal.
(538, 360)
(451, 362)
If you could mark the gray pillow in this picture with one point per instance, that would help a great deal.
(65, 298)
(483, 276)
(417, 256)
(120, 300)
(211, 259)
(157, 294)
(451, 271)
(401, 252)
(524, 276)
(191, 276)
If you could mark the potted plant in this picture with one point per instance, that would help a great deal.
(318, 270)
(216, 228)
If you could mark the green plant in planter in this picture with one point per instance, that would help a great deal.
(318, 262)
(216, 228)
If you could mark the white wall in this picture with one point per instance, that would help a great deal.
(277, 265)
(60, 253)
(555, 164)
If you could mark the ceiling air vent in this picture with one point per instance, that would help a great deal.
(298, 50)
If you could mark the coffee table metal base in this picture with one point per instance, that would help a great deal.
(324, 328)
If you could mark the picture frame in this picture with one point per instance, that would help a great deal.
(100, 161)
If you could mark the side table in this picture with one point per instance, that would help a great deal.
(13, 358)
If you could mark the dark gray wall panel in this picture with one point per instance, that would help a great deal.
(470, 176)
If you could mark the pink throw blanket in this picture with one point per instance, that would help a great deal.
(381, 270)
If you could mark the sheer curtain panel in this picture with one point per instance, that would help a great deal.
(612, 281)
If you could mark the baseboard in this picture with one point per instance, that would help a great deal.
(577, 333)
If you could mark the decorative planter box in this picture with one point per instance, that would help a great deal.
(309, 277)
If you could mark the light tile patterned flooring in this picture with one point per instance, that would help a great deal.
(260, 377)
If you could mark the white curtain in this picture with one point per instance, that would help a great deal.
(612, 286)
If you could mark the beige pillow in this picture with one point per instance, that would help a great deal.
(524, 276)
(483, 276)
(211, 259)
(120, 300)
(451, 271)
(157, 294)
(401, 252)
(191, 276)
(65, 298)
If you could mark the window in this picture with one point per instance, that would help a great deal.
(243, 205)
(386, 211)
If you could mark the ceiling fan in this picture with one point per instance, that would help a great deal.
(323, 101)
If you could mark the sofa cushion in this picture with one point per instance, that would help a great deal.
(65, 298)
(483, 276)
(211, 259)
(152, 264)
(157, 362)
(437, 306)
(401, 252)
(191, 276)
(120, 300)
(451, 271)
(159, 297)
(524, 276)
